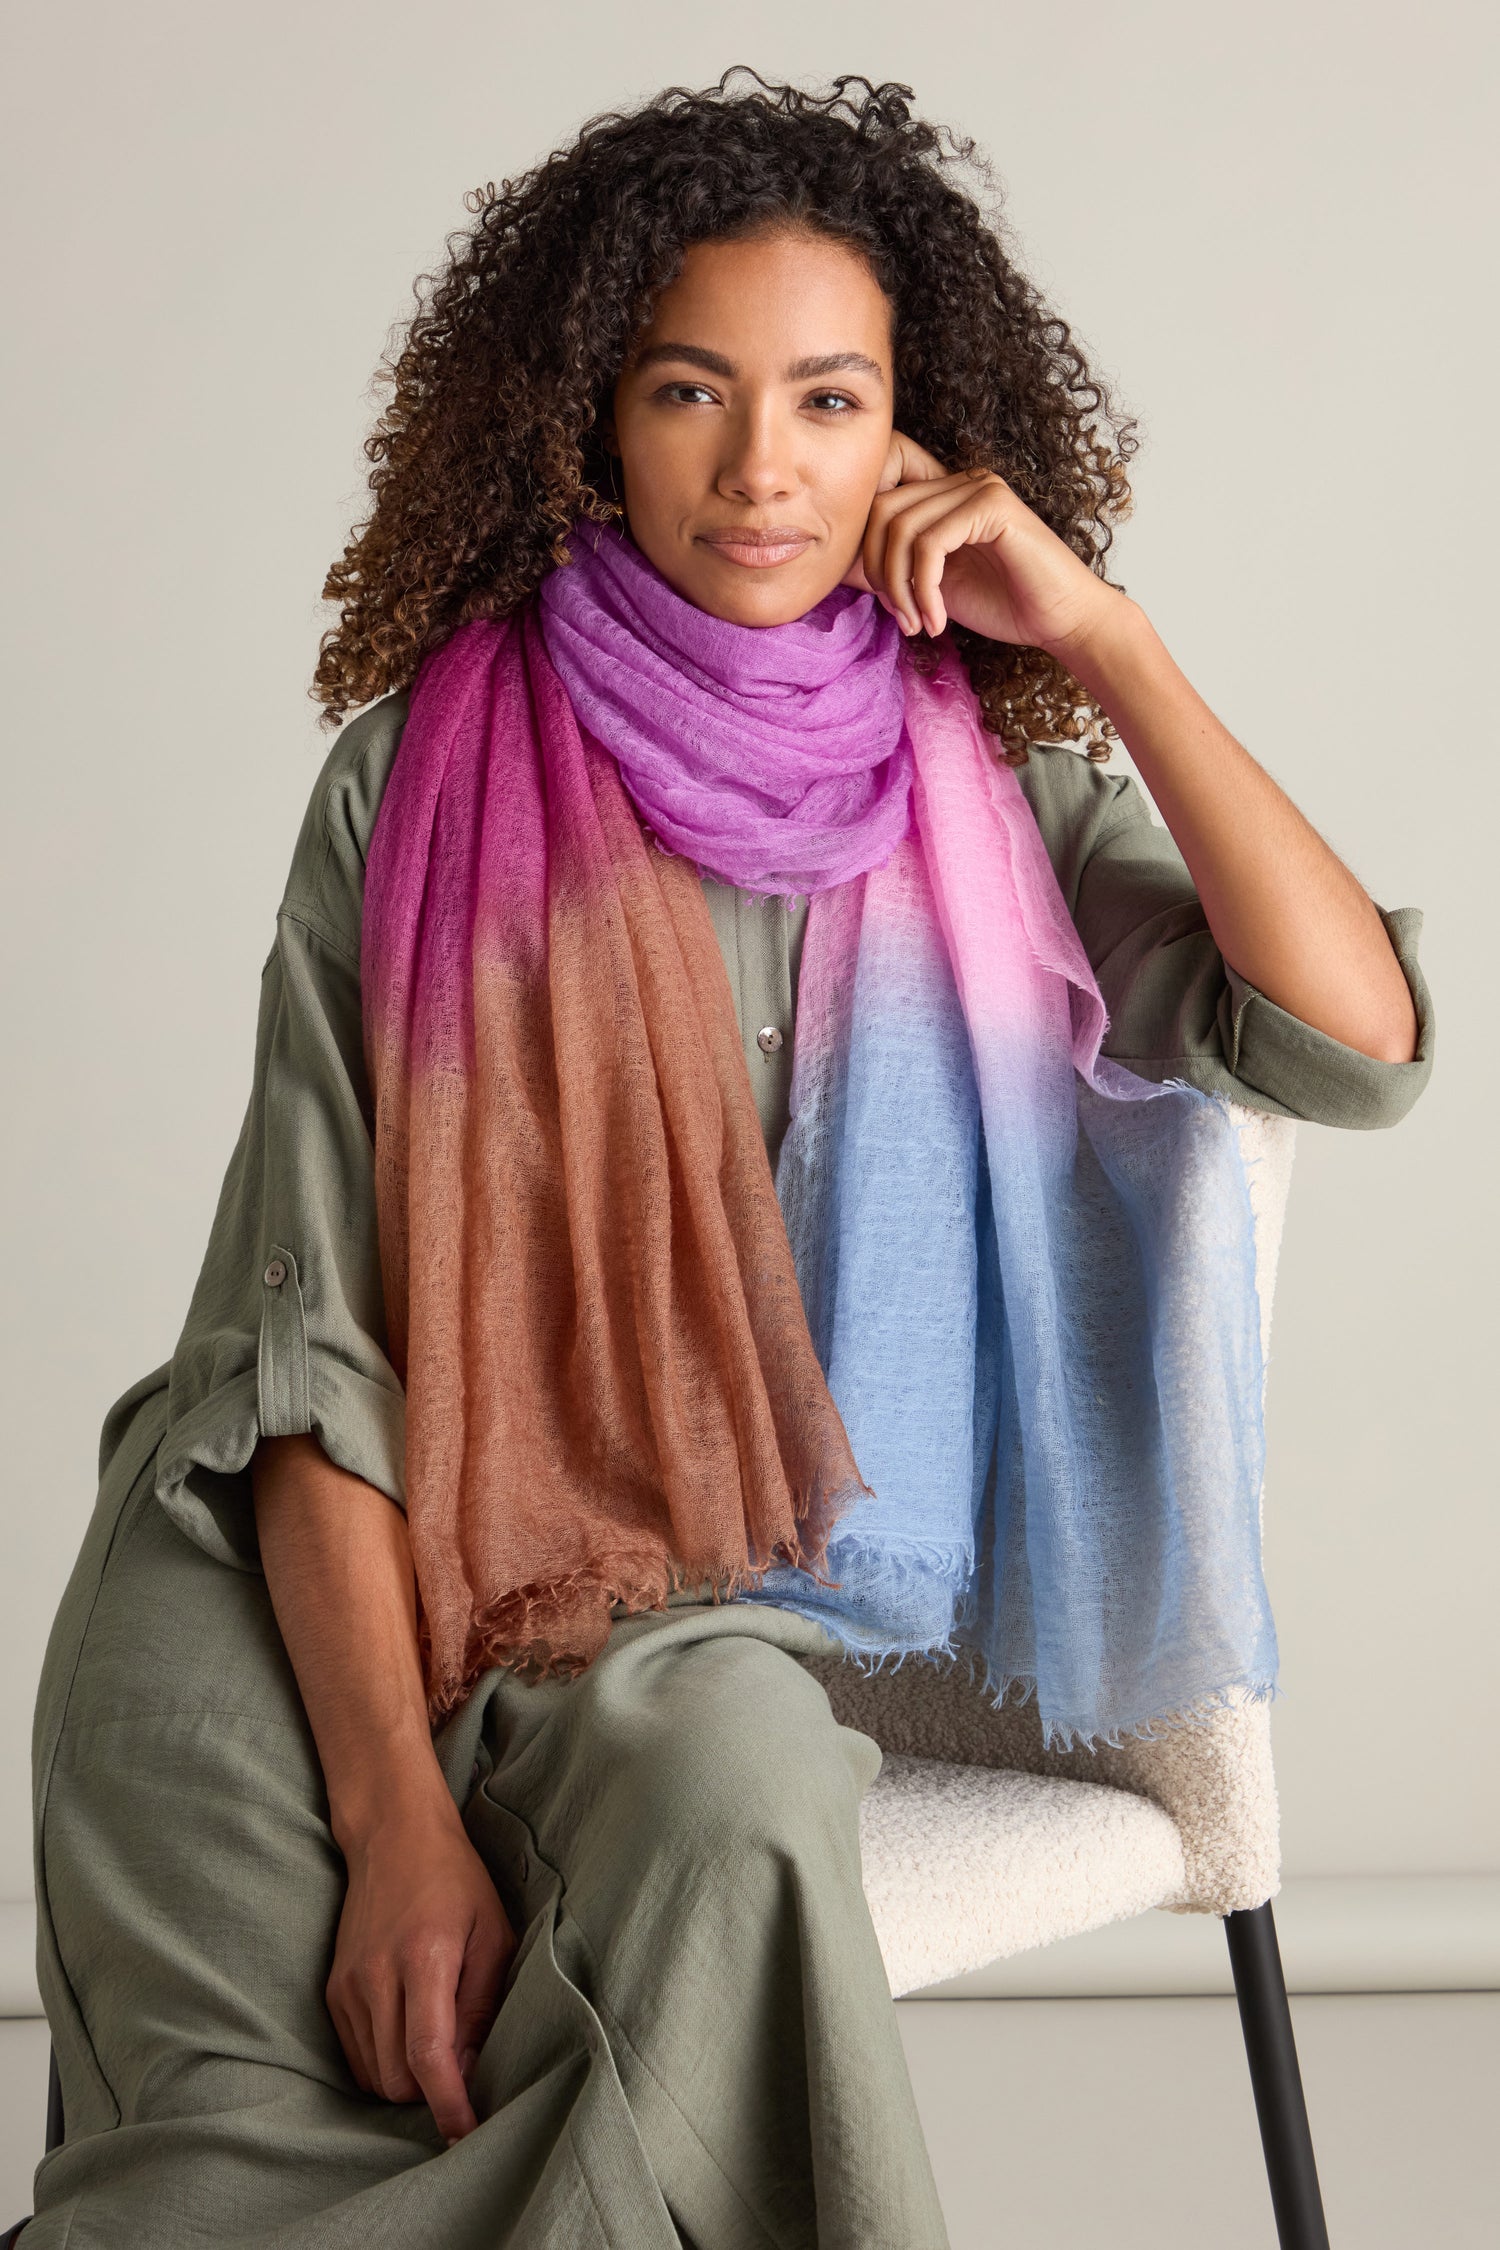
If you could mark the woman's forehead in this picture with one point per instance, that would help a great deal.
(793, 305)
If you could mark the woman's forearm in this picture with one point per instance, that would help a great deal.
(423, 1942)
(1284, 910)
(338, 1564)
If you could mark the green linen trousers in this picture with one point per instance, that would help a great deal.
(696, 2041)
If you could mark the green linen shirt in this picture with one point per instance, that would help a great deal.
(285, 1333)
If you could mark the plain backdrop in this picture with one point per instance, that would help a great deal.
(1272, 228)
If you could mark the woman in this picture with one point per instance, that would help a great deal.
(483, 1867)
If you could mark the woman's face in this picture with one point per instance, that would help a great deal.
(753, 421)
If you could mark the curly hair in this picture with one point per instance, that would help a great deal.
(490, 448)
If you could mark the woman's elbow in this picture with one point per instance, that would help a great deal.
(1395, 1036)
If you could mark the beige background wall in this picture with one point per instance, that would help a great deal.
(1267, 222)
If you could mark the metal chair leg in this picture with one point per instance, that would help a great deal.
(54, 2104)
(1266, 2020)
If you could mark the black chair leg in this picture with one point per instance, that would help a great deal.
(1266, 2020)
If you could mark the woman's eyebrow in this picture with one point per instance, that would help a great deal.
(800, 371)
(696, 355)
(835, 363)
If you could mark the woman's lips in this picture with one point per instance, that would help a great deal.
(758, 550)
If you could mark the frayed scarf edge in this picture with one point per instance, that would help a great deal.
(518, 1631)
(1020, 1688)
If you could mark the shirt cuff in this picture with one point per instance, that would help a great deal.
(291, 1389)
(1303, 1073)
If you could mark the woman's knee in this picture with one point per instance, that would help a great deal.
(732, 1744)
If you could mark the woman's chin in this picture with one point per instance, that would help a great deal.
(753, 596)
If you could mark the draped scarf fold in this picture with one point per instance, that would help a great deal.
(978, 1372)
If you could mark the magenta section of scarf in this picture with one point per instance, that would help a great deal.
(774, 758)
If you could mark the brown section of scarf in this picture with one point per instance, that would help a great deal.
(612, 1390)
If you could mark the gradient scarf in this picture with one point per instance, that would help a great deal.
(978, 1372)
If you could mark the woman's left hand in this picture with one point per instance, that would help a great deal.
(965, 547)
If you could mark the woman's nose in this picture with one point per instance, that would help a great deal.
(758, 463)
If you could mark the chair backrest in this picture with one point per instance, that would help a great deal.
(1214, 1777)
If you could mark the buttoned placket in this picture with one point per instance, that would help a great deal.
(768, 934)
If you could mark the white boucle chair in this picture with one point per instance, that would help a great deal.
(977, 1843)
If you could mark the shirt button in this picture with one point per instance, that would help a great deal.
(768, 1039)
(275, 1274)
(525, 1866)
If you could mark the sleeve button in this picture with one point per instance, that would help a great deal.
(768, 1039)
(275, 1274)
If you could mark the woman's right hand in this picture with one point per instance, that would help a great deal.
(422, 1950)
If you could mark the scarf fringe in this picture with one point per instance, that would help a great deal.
(1019, 1688)
(517, 1631)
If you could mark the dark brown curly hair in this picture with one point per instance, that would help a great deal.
(490, 447)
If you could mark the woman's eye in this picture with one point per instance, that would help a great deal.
(824, 402)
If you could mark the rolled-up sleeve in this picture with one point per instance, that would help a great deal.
(285, 1334)
(1176, 1008)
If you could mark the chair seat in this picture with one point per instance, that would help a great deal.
(965, 1864)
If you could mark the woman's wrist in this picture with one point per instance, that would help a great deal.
(394, 1800)
(1116, 653)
